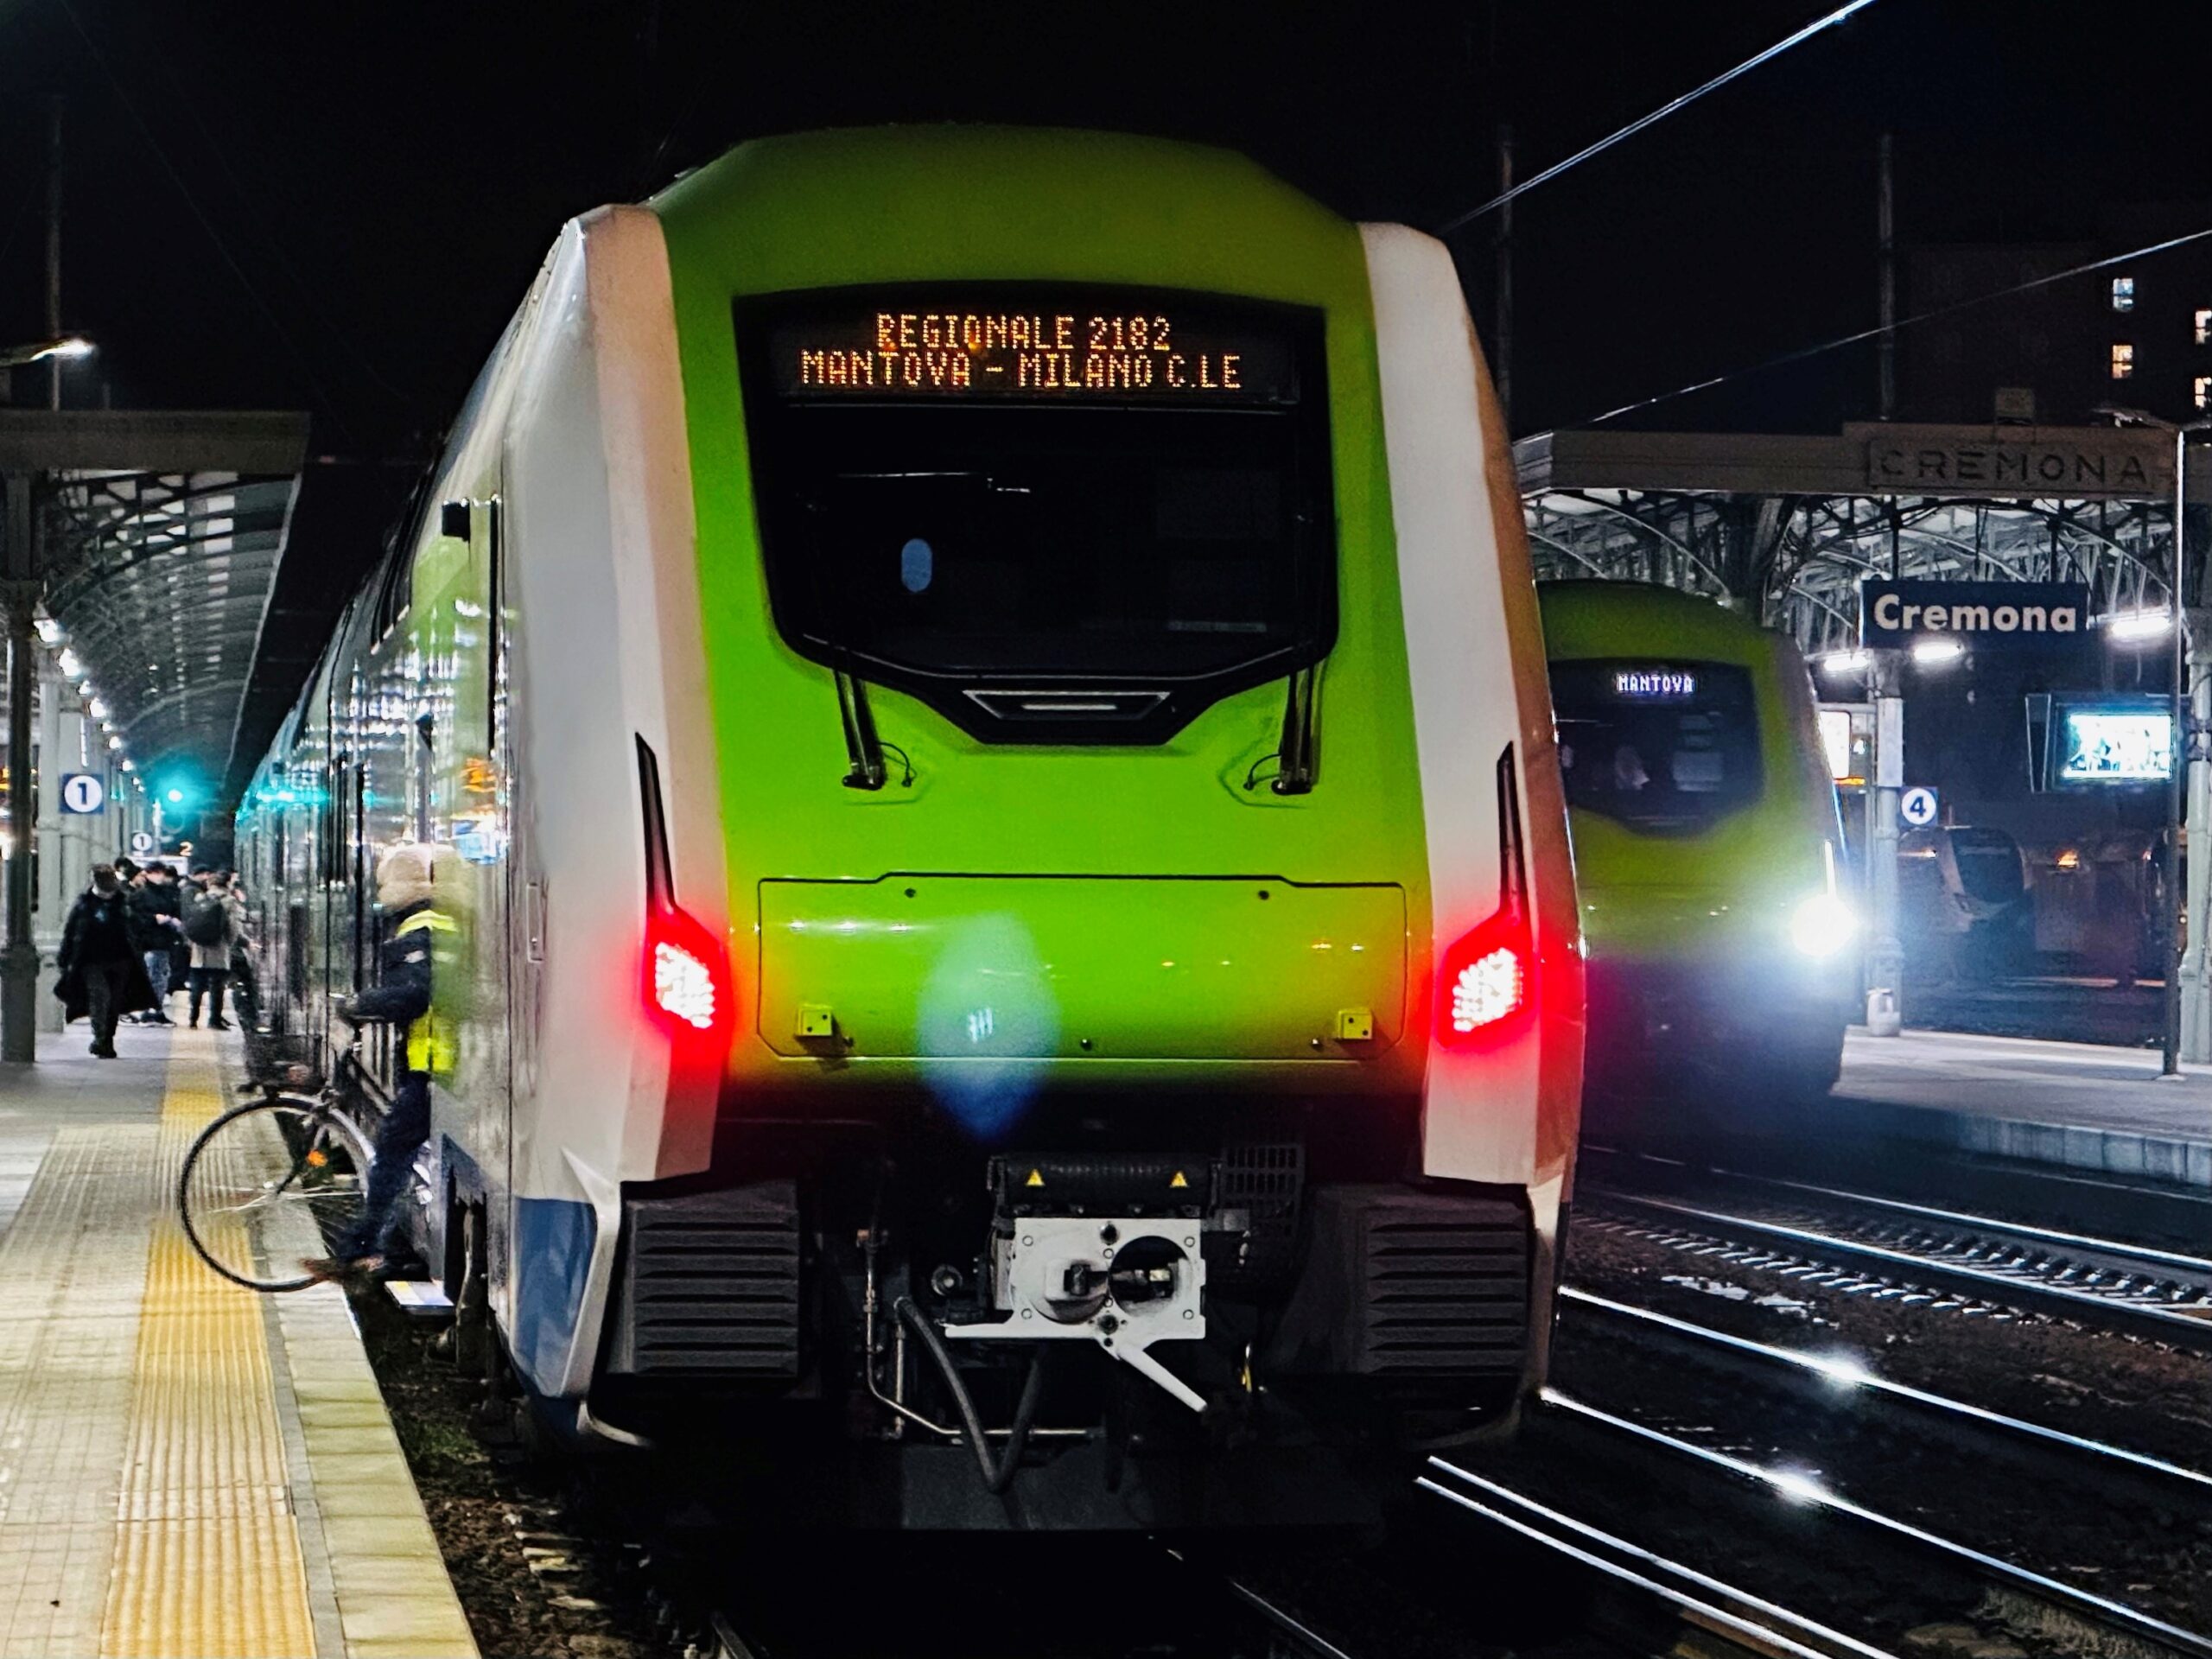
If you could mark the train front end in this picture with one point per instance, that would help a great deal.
(1723, 945)
(1105, 880)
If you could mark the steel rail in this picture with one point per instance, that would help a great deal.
(2033, 1294)
(2120, 1250)
(1848, 1373)
(1285, 1622)
(2086, 1603)
(1761, 1638)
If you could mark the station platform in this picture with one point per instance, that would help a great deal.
(2076, 1104)
(186, 1467)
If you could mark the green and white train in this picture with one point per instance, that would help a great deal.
(981, 698)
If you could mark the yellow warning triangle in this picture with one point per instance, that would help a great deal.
(1036, 1178)
(1179, 1180)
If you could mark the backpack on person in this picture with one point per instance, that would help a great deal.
(206, 921)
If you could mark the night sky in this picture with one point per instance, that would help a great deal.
(336, 208)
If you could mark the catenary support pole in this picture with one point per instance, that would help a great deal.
(54, 249)
(19, 590)
(1884, 951)
(2170, 886)
(2197, 928)
(1885, 347)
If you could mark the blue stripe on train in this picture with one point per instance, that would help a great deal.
(552, 1259)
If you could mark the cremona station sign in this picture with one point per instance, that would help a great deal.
(1979, 615)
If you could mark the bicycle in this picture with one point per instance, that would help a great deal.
(278, 1179)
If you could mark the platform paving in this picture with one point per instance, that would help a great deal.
(2074, 1104)
(186, 1467)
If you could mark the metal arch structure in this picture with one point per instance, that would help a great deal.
(160, 581)
(158, 540)
(151, 541)
(1786, 528)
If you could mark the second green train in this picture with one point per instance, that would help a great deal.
(1707, 848)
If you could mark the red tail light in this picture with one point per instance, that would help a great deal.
(1485, 980)
(686, 975)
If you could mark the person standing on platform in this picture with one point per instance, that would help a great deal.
(154, 921)
(211, 923)
(420, 934)
(102, 976)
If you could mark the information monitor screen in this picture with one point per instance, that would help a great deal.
(2116, 746)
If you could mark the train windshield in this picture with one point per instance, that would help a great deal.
(1667, 749)
(1055, 516)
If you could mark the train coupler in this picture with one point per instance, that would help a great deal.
(1124, 1282)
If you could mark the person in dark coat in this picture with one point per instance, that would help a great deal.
(101, 974)
(155, 924)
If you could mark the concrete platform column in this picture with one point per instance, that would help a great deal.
(19, 592)
(1884, 950)
(69, 844)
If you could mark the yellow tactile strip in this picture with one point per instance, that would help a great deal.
(164, 1480)
(207, 1553)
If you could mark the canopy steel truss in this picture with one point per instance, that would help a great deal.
(1786, 528)
(1796, 562)
(160, 581)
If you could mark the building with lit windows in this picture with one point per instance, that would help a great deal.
(2137, 334)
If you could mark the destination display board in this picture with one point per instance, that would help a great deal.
(1655, 684)
(1982, 615)
(1032, 346)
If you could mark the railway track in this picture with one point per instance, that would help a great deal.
(1739, 1620)
(1838, 1380)
(1904, 1248)
(1768, 1519)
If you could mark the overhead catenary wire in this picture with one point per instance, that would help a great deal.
(1802, 353)
(1815, 27)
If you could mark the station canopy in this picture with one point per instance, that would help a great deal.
(159, 538)
(1787, 527)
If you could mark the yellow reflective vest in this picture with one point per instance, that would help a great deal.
(430, 1038)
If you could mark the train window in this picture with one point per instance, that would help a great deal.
(1667, 749)
(1056, 516)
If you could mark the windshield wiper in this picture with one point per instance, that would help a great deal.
(864, 750)
(1300, 753)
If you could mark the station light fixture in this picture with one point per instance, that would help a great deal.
(68, 349)
(113, 741)
(1937, 653)
(99, 710)
(1846, 661)
(2138, 627)
(49, 631)
(71, 667)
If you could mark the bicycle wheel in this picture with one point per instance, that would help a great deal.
(270, 1183)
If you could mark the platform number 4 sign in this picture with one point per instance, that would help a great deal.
(83, 792)
(1917, 807)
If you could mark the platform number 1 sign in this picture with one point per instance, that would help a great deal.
(1917, 807)
(83, 792)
